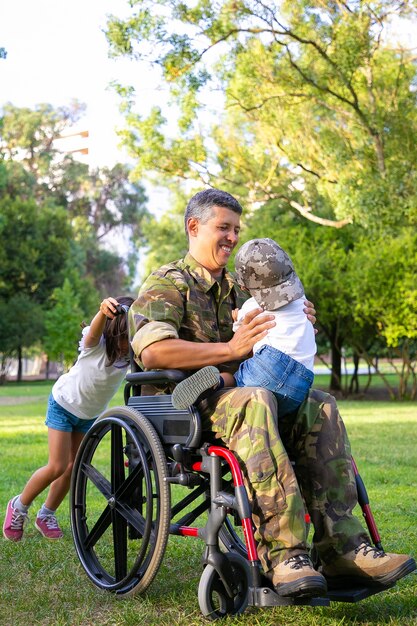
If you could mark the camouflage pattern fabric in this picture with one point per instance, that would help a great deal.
(184, 296)
(182, 300)
(245, 419)
(266, 270)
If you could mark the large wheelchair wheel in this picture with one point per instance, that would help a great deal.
(120, 502)
(214, 601)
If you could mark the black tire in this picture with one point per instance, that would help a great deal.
(120, 502)
(213, 600)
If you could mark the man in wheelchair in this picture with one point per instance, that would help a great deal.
(189, 306)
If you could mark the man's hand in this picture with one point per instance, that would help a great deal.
(310, 311)
(255, 326)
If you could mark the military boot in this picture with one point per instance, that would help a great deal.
(367, 566)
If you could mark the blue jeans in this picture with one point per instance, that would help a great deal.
(59, 418)
(272, 369)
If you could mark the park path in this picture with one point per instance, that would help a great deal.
(11, 400)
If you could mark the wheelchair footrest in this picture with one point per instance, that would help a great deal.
(354, 594)
(265, 596)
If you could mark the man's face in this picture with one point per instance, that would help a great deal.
(211, 244)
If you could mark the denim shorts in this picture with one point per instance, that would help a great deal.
(272, 369)
(59, 418)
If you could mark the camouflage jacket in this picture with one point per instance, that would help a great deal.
(182, 300)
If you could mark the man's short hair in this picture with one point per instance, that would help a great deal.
(202, 203)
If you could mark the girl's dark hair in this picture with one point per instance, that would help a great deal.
(115, 331)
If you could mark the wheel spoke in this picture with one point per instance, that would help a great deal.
(98, 529)
(134, 518)
(127, 487)
(119, 523)
(120, 544)
(117, 458)
(98, 480)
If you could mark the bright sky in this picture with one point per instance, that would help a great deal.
(57, 51)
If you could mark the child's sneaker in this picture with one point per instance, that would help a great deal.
(14, 523)
(48, 527)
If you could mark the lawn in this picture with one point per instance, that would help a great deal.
(42, 583)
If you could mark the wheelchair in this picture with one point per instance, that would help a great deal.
(127, 468)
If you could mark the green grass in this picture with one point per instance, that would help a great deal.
(322, 381)
(43, 583)
(17, 390)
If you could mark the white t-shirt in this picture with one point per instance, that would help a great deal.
(292, 334)
(88, 387)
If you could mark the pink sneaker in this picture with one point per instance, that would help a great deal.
(14, 523)
(48, 527)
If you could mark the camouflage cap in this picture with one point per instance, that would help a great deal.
(266, 270)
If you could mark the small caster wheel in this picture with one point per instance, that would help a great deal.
(213, 599)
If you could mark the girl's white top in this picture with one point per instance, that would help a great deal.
(87, 388)
(292, 334)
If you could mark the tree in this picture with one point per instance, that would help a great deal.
(317, 108)
(62, 325)
(21, 325)
(166, 236)
(57, 217)
(34, 243)
(27, 143)
(305, 109)
(101, 204)
(321, 257)
(384, 298)
(105, 208)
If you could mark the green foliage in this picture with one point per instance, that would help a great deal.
(108, 205)
(384, 299)
(168, 240)
(21, 323)
(62, 324)
(317, 106)
(388, 276)
(57, 218)
(34, 242)
(306, 112)
(100, 203)
(27, 135)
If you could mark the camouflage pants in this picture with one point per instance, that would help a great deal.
(245, 419)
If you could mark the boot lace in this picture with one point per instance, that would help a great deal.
(367, 548)
(298, 561)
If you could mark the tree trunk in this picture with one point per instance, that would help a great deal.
(354, 382)
(336, 357)
(19, 364)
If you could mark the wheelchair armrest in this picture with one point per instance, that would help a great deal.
(155, 377)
